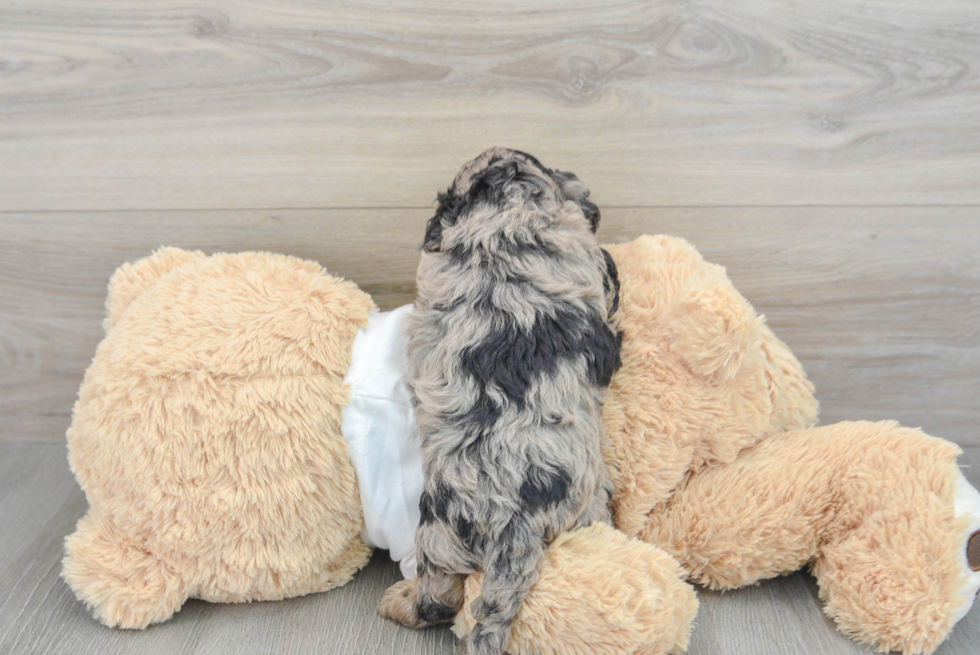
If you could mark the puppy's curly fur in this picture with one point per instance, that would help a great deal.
(510, 351)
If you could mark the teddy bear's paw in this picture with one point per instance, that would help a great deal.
(967, 506)
(398, 604)
(123, 584)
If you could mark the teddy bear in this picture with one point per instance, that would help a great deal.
(243, 433)
(715, 460)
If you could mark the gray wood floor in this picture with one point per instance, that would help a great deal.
(40, 503)
(827, 153)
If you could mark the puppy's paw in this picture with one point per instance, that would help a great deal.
(399, 603)
(488, 641)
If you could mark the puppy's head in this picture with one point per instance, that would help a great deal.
(500, 178)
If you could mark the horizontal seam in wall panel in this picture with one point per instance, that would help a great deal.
(386, 208)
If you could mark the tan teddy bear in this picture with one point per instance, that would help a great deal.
(712, 463)
(243, 434)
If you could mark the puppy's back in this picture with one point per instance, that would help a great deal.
(510, 350)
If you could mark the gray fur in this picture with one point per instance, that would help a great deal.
(510, 351)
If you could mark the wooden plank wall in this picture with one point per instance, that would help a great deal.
(827, 153)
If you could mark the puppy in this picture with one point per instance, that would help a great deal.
(510, 351)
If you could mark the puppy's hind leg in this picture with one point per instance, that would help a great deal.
(440, 593)
(402, 601)
(398, 603)
(435, 594)
(511, 568)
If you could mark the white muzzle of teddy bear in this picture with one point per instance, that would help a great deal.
(966, 502)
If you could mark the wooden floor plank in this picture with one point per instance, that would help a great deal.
(178, 105)
(40, 616)
(882, 305)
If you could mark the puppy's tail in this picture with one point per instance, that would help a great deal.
(511, 567)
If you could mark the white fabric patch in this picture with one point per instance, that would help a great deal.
(379, 428)
(966, 502)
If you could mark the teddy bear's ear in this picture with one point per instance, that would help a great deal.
(132, 279)
(712, 326)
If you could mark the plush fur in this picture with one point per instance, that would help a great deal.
(868, 505)
(510, 350)
(707, 408)
(599, 592)
(207, 437)
(703, 376)
(712, 460)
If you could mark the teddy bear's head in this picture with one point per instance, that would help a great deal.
(206, 437)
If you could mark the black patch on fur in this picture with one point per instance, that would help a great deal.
(435, 506)
(518, 246)
(533, 160)
(591, 211)
(589, 208)
(433, 234)
(442, 500)
(423, 565)
(510, 358)
(484, 609)
(466, 531)
(484, 413)
(426, 509)
(486, 186)
(543, 488)
(610, 281)
(461, 255)
(435, 612)
(451, 306)
(602, 348)
(448, 208)
(489, 186)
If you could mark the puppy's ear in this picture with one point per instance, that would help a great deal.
(433, 235)
(447, 213)
(610, 283)
(575, 189)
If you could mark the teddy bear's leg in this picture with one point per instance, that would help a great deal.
(871, 505)
(123, 585)
(599, 592)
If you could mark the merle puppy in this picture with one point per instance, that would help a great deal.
(510, 351)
